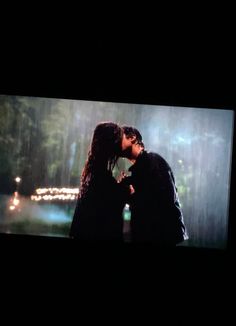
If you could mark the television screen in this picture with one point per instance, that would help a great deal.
(44, 144)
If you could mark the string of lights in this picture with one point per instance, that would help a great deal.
(49, 194)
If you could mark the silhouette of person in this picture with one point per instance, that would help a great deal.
(156, 215)
(98, 213)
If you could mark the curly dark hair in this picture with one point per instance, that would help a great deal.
(130, 132)
(103, 153)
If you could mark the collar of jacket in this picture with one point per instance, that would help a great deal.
(139, 159)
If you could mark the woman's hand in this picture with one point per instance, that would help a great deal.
(122, 176)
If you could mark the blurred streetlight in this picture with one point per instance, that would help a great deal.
(17, 179)
(15, 201)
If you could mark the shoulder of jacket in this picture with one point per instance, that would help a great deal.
(155, 156)
(158, 159)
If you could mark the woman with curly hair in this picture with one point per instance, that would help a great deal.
(98, 213)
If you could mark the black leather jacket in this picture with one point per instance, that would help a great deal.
(156, 215)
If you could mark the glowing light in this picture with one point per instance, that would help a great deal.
(54, 191)
(16, 201)
(126, 213)
(180, 161)
(49, 194)
(18, 179)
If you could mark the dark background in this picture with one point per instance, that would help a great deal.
(188, 71)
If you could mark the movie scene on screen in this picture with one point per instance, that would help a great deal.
(44, 144)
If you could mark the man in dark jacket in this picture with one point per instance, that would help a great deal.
(155, 209)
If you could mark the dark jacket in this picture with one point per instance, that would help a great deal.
(155, 209)
(98, 214)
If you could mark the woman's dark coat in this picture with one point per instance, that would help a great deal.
(98, 214)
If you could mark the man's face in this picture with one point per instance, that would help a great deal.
(127, 145)
(126, 142)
